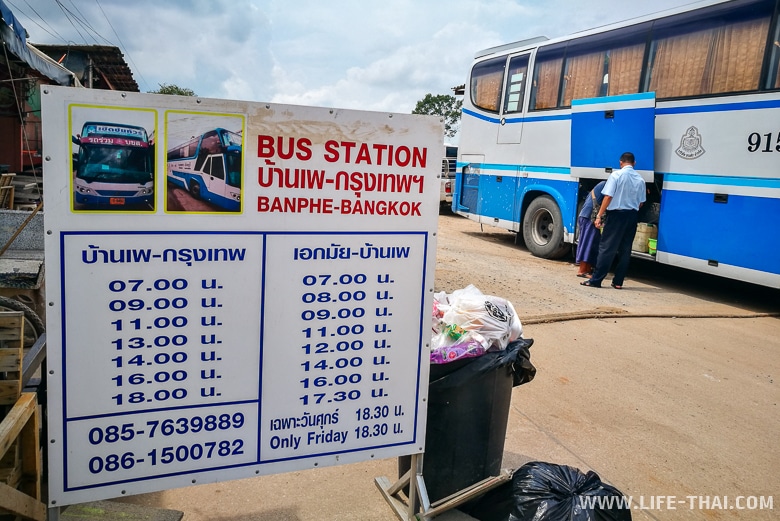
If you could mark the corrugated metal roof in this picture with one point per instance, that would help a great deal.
(110, 70)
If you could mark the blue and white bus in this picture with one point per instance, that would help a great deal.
(209, 167)
(693, 92)
(113, 168)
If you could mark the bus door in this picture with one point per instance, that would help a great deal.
(510, 133)
(510, 129)
(214, 175)
(468, 190)
(603, 128)
(500, 190)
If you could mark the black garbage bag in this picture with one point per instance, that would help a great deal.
(516, 357)
(549, 492)
(543, 491)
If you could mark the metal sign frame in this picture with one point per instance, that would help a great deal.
(219, 310)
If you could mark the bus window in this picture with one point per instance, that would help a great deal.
(584, 76)
(773, 79)
(607, 64)
(234, 170)
(625, 69)
(547, 78)
(185, 150)
(211, 143)
(723, 53)
(216, 167)
(231, 139)
(486, 80)
(136, 160)
(515, 87)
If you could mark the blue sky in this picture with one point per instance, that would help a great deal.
(356, 54)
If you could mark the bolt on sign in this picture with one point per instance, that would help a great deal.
(235, 289)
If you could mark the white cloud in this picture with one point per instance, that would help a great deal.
(344, 53)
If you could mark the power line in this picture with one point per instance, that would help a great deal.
(79, 11)
(54, 34)
(82, 21)
(81, 25)
(122, 45)
(85, 23)
(66, 13)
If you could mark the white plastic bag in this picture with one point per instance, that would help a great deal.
(468, 323)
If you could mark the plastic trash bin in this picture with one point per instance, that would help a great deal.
(468, 410)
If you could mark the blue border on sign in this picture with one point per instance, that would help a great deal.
(264, 235)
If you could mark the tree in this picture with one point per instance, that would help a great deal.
(444, 105)
(173, 89)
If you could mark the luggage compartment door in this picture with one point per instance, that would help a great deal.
(603, 128)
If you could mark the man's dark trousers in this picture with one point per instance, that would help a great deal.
(616, 238)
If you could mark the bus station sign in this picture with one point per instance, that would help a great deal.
(234, 289)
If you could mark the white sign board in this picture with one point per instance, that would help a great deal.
(233, 288)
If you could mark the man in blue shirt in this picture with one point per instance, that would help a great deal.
(624, 193)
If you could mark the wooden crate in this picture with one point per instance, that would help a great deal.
(20, 432)
(7, 191)
(11, 353)
(20, 450)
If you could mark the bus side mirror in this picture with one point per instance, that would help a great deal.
(75, 140)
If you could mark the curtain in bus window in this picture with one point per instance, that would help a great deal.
(584, 77)
(625, 69)
(546, 82)
(721, 59)
(211, 143)
(486, 80)
(486, 91)
(679, 63)
(735, 63)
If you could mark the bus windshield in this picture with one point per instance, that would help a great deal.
(231, 139)
(115, 164)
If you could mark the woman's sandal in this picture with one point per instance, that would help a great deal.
(616, 286)
(589, 284)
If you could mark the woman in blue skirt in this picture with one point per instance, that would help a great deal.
(588, 245)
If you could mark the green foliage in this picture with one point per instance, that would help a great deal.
(443, 105)
(173, 89)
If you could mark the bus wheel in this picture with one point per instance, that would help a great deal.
(543, 229)
(33, 325)
(195, 189)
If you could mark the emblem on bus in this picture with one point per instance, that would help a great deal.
(690, 144)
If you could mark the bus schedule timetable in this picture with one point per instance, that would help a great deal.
(180, 374)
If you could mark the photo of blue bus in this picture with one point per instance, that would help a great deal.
(208, 166)
(113, 168)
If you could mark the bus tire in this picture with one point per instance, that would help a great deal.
(543, 229)
(195, 189)
(33, 325)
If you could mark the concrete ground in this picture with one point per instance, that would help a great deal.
(680, 413)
